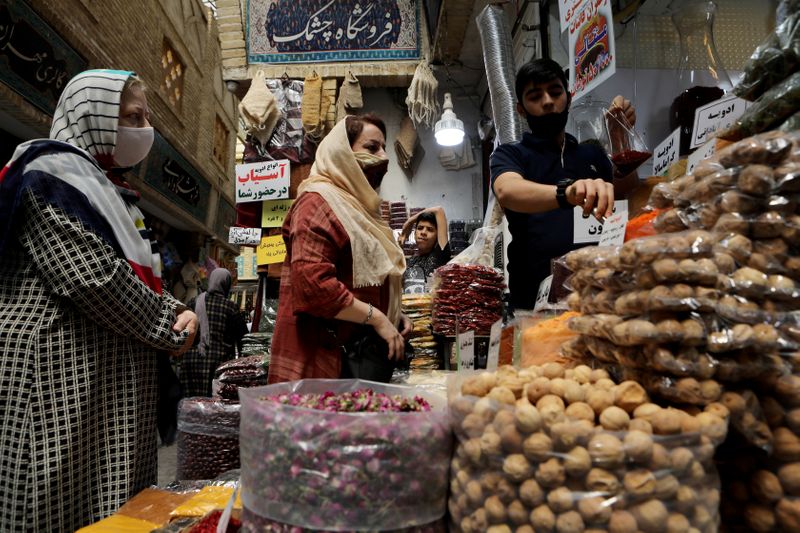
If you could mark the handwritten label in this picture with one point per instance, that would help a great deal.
(701, 154)
(543, 295)
(267, 180)
(666, 153)
(716, 116)
(273, 212)
(592, 52)
(614, 229)
(495, 334)
(249, 236)
(271, 250)
(465, 342)
(589, 229)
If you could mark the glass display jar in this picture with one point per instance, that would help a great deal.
(701, 76)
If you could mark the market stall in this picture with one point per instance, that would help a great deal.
(661, 394)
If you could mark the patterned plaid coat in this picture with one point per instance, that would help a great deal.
(78, 334)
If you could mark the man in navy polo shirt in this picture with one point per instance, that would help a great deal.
(542, 178)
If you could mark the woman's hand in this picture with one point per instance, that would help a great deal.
(186, 320)
(389, 333)
(407, 325)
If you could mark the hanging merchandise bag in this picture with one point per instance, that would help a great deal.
(312, 102)
(259, 110)
(352, 91)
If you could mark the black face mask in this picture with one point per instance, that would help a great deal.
(375, 173)
(549, 125)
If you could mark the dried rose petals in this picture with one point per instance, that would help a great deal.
(360, 401)
(335, 455)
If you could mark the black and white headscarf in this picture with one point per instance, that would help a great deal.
(84, 125)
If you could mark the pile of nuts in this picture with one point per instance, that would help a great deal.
(208, 438)
(762, 488)
(550, 448)
(708, 304)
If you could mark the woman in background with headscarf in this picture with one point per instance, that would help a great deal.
(221, 330)
(82, 314)
(343, 270)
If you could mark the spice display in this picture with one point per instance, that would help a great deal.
(549, 447)
(209, 524)
(541, 342)
(419, 308)
(468, 294)
(153, 505)
(208, 438)
(344, 455)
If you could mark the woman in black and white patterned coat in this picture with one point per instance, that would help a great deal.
(81, 314)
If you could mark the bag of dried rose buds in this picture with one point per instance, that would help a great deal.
(343, 455)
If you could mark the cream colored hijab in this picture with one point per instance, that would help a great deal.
(337, 177)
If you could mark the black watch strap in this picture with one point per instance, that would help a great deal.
(561, 193)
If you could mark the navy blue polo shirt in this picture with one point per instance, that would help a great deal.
(537, 238)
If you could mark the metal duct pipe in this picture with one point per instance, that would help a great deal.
(498, 59)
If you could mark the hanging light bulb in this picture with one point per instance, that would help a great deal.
(449, 131)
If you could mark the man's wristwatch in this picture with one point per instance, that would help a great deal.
(561, 193)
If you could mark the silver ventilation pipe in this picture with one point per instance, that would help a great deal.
(498, 59)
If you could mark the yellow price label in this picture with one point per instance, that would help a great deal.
(271, 250)
(273, 212)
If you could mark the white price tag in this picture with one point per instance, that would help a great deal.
(251, 236)
(666, 153)
(465, 343)
(544, 293)
(716, 116)
(590, 229)
(701, 154)
(614, 229)
(494, 345)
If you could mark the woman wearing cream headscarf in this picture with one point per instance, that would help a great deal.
(343, 267)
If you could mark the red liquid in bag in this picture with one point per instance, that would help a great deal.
(629, 160)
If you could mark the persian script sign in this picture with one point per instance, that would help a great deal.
(288, 31)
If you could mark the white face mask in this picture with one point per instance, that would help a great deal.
(133, 144)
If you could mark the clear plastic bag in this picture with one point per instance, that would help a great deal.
(481, 248)
(688, 244)
(773, 60)
(208, 438)
(769, 148)
(681, 391)
(548, 448)
(627, 149)
(241, 372)
(771, 108)
(343, 471)
(593, 257)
